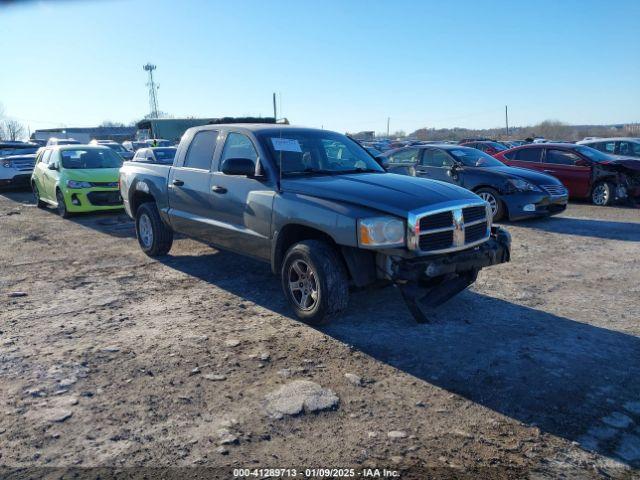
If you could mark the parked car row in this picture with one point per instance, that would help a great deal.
(586, 172)
(515, 193)
(603, 170)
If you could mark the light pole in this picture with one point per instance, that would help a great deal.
(153, 97)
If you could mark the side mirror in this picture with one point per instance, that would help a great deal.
(53, 166)
(581, 163)
(382, 161)
(239, 166)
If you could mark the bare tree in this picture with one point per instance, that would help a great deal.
(12, 130)
(109, 123)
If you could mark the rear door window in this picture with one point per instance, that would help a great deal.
(528, 155)
(629, 148)
(410, 155)
(436, 158)
(201, 150)
(561, 157)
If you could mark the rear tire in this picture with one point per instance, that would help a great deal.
(315, 281)
(492, 197)
(602, 194)
(154, 237)
(36, 194)
(62, 206)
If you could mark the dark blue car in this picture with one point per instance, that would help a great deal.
(513, 193)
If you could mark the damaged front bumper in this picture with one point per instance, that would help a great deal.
(428, 282)
(492, 252)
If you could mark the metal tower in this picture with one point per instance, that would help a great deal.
(153, 90)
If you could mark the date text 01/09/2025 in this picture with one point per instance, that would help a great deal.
(315, 473)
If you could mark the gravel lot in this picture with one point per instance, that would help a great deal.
(114, 359)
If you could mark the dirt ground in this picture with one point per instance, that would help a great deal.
(113, 359)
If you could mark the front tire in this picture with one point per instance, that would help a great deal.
(315, 281)
(154, 237)
(492, 197)
(602, 194)
(62, 206)
(36, 194)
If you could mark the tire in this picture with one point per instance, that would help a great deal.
(36, 194)
(491, 196)
(154, 237)
(62, 206)
(313, 266)
(602, 194)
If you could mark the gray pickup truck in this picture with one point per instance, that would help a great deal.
(320, 209)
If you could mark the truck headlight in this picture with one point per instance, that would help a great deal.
(519, 185)
(7, 164)
(376, 232)
(74, 184)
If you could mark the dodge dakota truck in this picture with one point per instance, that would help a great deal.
(320, 209)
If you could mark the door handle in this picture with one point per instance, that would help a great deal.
(218, 189)
(178, 183)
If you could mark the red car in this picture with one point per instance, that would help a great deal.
(487, 146)
(585, 171)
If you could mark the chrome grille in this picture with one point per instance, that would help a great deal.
(475, 232)
(436, 241)
(555, 190)
(471, 214)
(459, 226)
(438, 220)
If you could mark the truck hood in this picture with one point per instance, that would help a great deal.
(386, 192)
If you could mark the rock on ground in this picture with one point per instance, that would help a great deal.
(299, 396)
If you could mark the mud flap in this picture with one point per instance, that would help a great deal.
(422, 302)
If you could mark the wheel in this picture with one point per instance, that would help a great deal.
(315, 281)
(602, 194)
(154, 237)
(62, 207)
(36, 194)
(492, 197)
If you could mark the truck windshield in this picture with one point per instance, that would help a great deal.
(165, 155)
(316, 152)
(82, 158)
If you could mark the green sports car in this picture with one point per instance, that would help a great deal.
(77, 178)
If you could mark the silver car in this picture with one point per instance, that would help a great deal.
(624, 146)
(16, 162)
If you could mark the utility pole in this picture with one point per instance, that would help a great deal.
(388, 120)
(275, 110)
(506, 118)
(153, 88)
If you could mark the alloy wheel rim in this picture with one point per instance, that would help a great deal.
(491, 200)
(600, 195)
(146, 232)
(303, 285)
